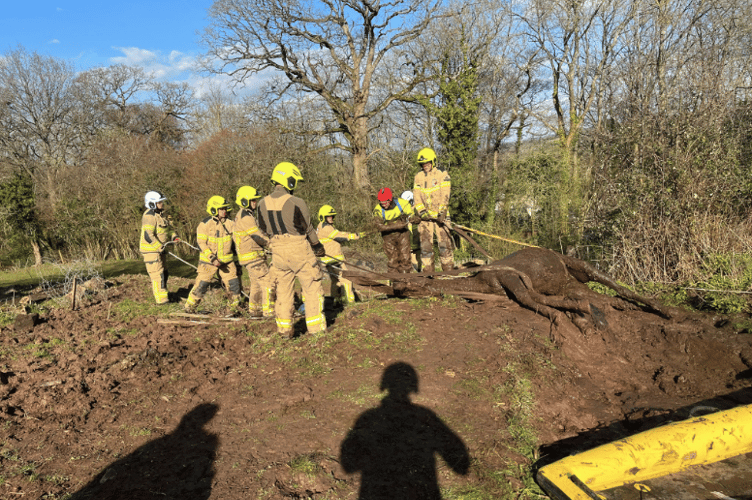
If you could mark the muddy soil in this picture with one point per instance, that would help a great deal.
(118, 399)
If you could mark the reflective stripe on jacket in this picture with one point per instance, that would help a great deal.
(155, 232)
(431, 191)
(247, 237)
(332, 239)
(398, 208)
(214, 238)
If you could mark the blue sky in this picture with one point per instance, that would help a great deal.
(159, 35)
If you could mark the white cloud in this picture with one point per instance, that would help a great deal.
(180, 67)
(162, 67)
(54, 40)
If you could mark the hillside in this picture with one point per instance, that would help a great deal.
(120, 399)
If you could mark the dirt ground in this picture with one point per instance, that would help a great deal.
(118, 399)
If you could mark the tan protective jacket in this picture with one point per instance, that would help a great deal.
(332, 240)
(431, 191)
(281, 213)
(249, 240)
(155, 232)
(214, 238)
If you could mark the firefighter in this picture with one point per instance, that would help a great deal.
(431, 190)
(156, 232)
(334, 259)
(249, 245)
(414, 234)
(295, 248)
(214, 239)
(391, 220)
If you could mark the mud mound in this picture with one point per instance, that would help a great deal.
(112, 401)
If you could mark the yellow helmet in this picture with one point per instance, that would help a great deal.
(245, 196)
(427, 155)
(326, 211)
(287, 175)
(214, 204)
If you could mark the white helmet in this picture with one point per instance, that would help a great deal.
(407, 195)
(152, 198)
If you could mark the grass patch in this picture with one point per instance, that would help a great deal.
(384, 310)
(123, 332)
(365, 395)
(305, 464)
(137, 431)
(472, 388)
(494, 484)
(53, 272)
(127, 310)
(6, 318)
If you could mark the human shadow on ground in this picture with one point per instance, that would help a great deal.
(176, 466)
(394, 445)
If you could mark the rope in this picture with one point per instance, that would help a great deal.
(350, 264)
(183, 261)
(494, 236)
(220, 281)
(713, 290)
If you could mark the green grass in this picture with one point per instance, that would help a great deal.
(127, 309)
(305, 464)
(6, 318)
(51, 272)
(365, 395)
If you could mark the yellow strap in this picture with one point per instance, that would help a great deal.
(496, 237)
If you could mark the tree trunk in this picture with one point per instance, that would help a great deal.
(37, 253)
(359, 147)
(360, 170)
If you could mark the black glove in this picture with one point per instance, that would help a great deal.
(415, 220)
(318, 250)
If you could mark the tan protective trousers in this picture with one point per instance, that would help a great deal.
(335, 269)
(292, 257)
(446, 245)
(415, 249)
(259, 296)
(156, 268)
(228, 273)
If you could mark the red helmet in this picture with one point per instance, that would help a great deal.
(384, 194)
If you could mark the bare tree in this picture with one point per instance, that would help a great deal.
(577, 42)
(173, 102)
(214, 111)
(39, 132)
(130, 100)
(330, 48)
(111, 91)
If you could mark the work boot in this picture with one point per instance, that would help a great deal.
(256, 314)
(287, 334)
